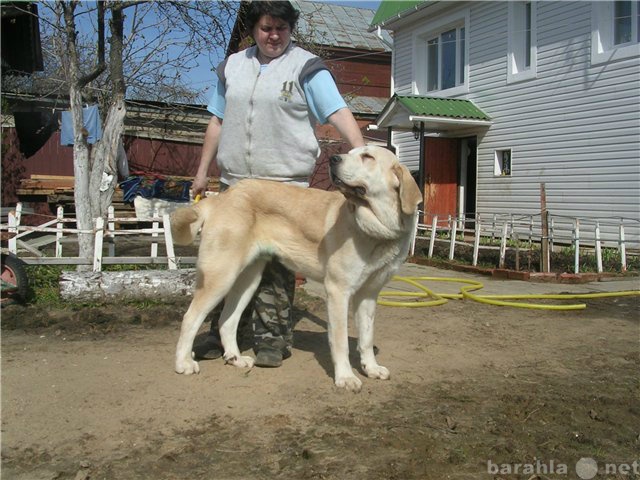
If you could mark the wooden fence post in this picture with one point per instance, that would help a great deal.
(13, 221)
(576, 246)
(415, 234)
(154, 225)
(544, 240)
(59, 232)
(97, 249)
(111, 228)
(476, 241)
(622, 248)
(432, 241)
(503, 244)
(598, 247)
(453, 231)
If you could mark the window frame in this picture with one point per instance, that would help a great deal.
(429, 32)
(603, 47)
(517, 52)
(499, 162)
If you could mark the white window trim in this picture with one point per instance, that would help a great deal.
(497, 162)
(602, 48)
(513, 75)
(432, 29)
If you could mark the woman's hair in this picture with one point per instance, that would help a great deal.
(282, 10)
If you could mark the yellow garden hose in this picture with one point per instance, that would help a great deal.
(472, 285)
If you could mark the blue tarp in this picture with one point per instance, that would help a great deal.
(155, 187)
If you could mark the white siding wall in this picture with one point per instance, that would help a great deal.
(575, 127)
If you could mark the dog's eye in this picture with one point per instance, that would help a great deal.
(367, 157)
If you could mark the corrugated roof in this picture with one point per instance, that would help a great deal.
(391, 8)
(441, 107)
(404, 112)
(364, 105)
(339, 26)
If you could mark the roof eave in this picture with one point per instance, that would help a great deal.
(390, 22)
(475, 122)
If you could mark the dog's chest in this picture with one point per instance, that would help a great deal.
(381, 262)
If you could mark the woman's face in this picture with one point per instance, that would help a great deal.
(272, 35)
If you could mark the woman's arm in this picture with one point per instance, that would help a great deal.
(343, 121)
(209, 152)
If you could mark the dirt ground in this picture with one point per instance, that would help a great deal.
(477, 392)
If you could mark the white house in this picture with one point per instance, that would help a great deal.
(545, 93)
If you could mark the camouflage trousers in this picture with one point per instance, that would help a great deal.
(267, 322)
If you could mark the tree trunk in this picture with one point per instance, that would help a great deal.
(104, 169)
(139, 285)
(81, 170)
(81, 165)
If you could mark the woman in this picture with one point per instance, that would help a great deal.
(270, 96)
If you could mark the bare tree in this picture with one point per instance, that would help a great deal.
(148, 52)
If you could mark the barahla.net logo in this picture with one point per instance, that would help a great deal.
(586, 468)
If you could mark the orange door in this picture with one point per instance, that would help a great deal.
(441, 177)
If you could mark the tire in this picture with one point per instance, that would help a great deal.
(15, 284)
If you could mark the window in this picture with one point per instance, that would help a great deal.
(522, 49)
(623, 24)
(445, 60)
(615, 31)
(502, 167)
(441, 59)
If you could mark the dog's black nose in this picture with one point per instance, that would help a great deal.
(335, 159)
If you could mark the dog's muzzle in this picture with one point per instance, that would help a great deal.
(357, 191)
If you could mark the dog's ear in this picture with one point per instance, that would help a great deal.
(410, 195)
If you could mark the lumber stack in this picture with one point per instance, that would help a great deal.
(58, 190)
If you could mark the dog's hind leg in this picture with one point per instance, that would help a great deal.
(364, 304)
(236, 301)
(210, 290)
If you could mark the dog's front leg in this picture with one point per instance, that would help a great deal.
(365, 309)
(338, 307)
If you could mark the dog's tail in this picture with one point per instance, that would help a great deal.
(186, 222)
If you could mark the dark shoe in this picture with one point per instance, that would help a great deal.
(210, 349)
(268, 358)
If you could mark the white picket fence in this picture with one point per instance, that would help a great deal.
(26, 241)
(502, 232)
(519, 233)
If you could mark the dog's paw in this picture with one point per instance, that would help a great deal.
(241, 361)
(187, 367)
(377, 371)
(350, 383)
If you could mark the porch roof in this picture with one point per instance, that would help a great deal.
(390, 9)
(403, 112)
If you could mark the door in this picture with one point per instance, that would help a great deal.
(441, 177)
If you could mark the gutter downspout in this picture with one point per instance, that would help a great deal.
(381, 38)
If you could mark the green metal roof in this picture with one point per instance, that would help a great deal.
(441, 107)
(437, 114)
(390, 8)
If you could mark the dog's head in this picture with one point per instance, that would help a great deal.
(372, 176)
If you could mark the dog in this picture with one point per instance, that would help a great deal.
(351, 239)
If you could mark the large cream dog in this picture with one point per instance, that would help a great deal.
(352, 240)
